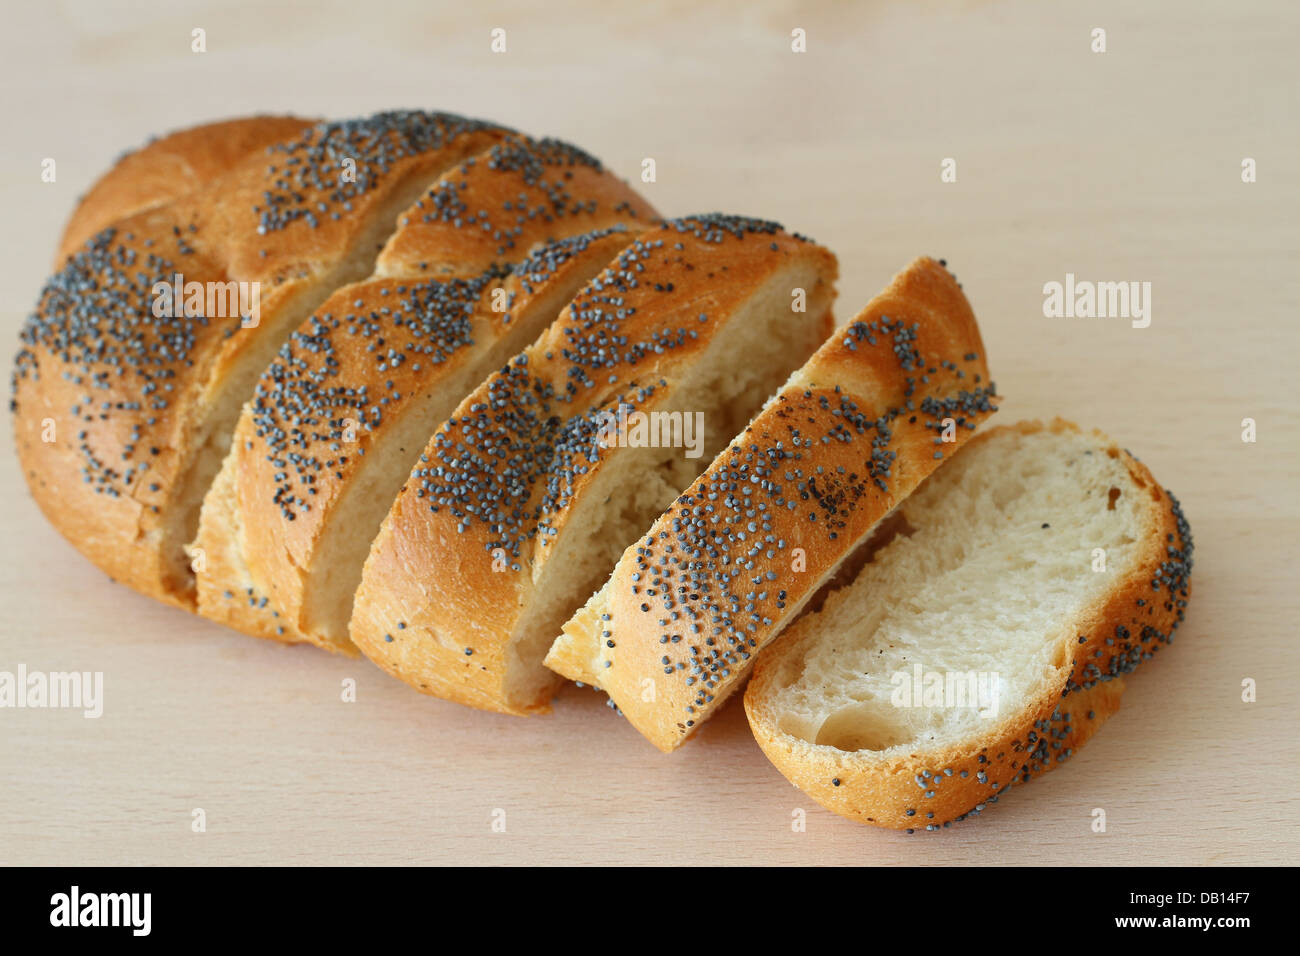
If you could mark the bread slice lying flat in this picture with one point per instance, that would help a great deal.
(1042, 564)
(479, 266)
(885, 400)
(519, 507)
(124, 408)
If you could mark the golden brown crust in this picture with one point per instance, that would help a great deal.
(933, 789)
(80, 425)
(170, 167)
(718, 576)
(128, 397)
(452, 572)
(496, 206)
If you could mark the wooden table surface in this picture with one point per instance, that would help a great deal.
(1122, 165)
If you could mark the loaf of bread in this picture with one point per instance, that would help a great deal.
(478, 267)
(522, 502)
(674, 630)
(987, 639)
(419, 386)
(125, 397)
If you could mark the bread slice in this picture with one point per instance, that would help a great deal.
(170, 167)
(123, 406)
(674, 630)
(988, 640)
(523, 500)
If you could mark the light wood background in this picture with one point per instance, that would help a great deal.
(1117, 166)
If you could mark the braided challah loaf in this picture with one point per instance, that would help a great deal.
(415, 384)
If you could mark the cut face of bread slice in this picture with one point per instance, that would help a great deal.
(525, 497)
(340, 416)
(126, 393)
(674, 630)
(987, 641)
